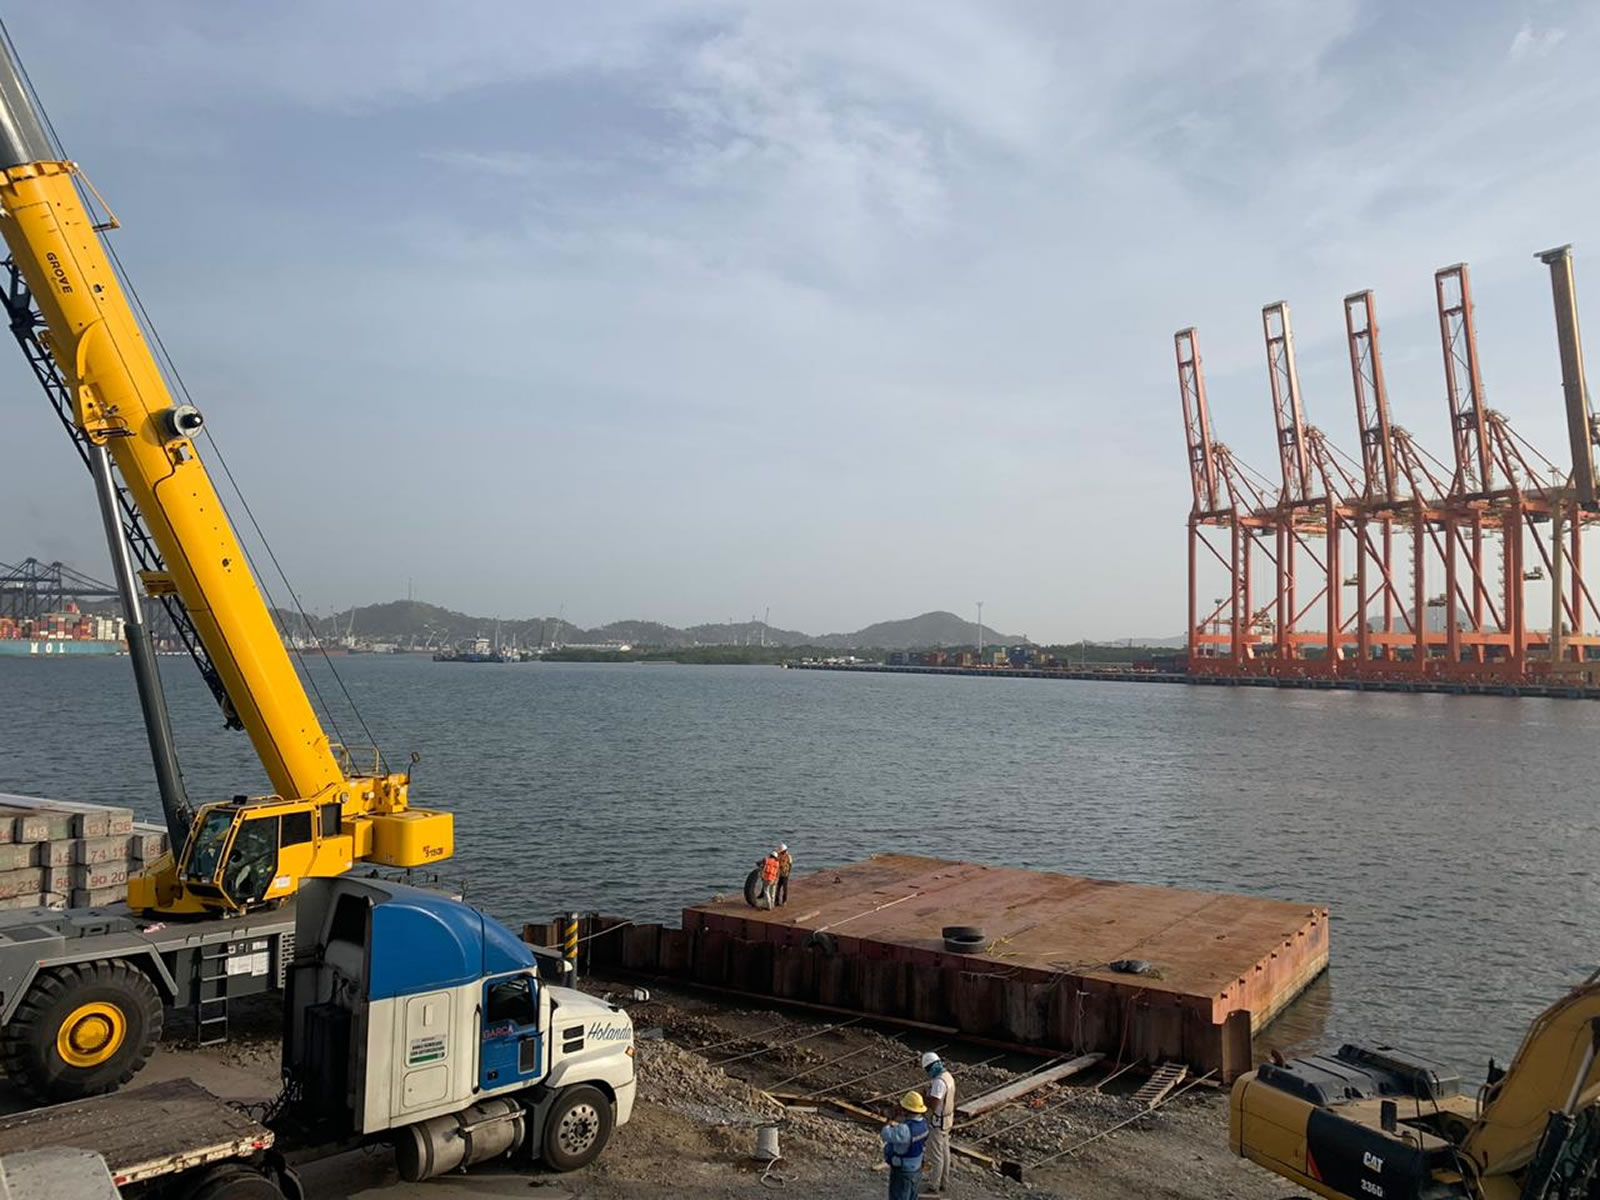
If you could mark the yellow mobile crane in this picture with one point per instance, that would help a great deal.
(1377, 1123)
(325, 815)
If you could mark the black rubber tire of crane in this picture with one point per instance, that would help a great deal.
(30, 1049)
(594, 1118)
(230, 1181)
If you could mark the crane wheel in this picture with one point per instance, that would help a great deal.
(81, 1030)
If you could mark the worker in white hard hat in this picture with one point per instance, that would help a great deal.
(785, 865)
(903, 1141)
(941, 1096)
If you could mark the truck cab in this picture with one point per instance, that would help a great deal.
(413, 1018)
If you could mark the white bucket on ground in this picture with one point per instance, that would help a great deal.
(767, 1143)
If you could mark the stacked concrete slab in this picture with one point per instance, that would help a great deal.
(56, 853)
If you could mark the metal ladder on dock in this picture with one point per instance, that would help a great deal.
(211, 1000)
(1160, 1084)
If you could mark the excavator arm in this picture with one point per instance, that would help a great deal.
(1552, 1083)
(323, 817)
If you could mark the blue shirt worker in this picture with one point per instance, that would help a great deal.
(902, 1148)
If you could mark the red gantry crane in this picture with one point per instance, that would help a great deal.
(1448, 558)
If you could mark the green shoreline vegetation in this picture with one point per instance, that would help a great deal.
(1088, 654)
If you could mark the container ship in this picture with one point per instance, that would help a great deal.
(69, 632)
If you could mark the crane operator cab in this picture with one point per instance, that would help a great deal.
(244, 854)
(251, 852)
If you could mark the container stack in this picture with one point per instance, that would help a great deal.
(55, 853)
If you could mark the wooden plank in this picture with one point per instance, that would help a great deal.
(1154, 1090)
(979, 1105)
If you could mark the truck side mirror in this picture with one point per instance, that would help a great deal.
(1388, 1115)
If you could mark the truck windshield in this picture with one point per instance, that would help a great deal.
(206, 850)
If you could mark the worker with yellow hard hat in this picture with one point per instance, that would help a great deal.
(902, 1147)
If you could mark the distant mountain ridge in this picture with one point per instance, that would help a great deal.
(414, 622)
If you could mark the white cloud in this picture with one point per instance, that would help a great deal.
(895, 282)
(1531, 43)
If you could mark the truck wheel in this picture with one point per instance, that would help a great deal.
(577, 1129)
(232, 1182)
(82, 1030)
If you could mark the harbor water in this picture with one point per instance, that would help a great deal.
(1456, 839)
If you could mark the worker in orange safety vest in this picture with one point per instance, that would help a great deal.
(769, 879)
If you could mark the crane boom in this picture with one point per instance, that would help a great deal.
(327, 815)
(1474, 460)
(122, 403)
(1372, 398)
(1581, 429)
(1289, 416)
(1197, 422)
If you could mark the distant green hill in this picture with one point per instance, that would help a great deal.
(416, 623)
(929, 631)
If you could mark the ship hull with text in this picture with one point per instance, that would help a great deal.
(55, 647)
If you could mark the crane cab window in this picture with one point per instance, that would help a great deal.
(253, 862)
(296, 828)
(205, 851)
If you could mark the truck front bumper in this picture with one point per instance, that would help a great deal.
(625, 1094)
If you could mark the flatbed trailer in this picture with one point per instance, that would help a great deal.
(59, 1042)
(173, 1140)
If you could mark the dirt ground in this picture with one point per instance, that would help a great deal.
(708, 1075)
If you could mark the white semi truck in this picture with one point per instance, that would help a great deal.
(409, 1019)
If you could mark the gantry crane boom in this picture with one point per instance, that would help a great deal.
(1197, 422)
(1372, 397)
(1474, 461)
(1288, 412)
(1582, 432)
(324, 816)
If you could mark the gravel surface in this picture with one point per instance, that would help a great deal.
(708, 1083)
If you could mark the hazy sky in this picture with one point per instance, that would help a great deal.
(681, 310)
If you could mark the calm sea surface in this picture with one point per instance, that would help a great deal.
(1456, 839)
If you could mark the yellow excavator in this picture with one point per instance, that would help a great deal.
(1379, 1123)
(73, 318)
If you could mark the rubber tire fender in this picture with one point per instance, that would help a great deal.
(961, 933)
(752, 888)
(824, 942)
(963, 939)
(28, 1045)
